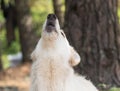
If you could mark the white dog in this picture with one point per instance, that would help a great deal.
(53, 59)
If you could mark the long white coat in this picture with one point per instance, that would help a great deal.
(53, 59)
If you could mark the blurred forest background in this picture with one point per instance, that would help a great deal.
(91, 26)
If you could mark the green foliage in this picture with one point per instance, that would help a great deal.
(15, 46)
(39, 11)
(104, 86)
(114, 89)
(5, 61)
(118, 12)
(1, 17)
(5, 50)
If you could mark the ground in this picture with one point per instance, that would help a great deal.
(16, 77)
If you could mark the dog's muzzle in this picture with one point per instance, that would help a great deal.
(51, 21)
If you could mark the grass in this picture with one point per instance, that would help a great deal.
(115, 89)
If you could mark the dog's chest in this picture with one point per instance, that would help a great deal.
(53, 65)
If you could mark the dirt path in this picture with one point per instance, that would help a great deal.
(15, 79)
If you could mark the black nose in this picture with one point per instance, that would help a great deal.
(51, 16)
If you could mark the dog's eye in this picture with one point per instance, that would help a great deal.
(63, 34)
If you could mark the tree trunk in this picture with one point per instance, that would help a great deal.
(57, 4)
(9, 15)
(92, 28)
(1, 66)
(28, 38)
(10, 27)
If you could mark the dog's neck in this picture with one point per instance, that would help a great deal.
(48, 43)
(54, 44)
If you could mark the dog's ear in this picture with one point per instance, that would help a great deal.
(62, 33)
(75, 58)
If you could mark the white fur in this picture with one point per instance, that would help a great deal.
(53, 59)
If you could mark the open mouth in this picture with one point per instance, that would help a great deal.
(51, 24)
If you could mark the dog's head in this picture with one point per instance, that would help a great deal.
(51, 28)
(51, 24)
(54, 38)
